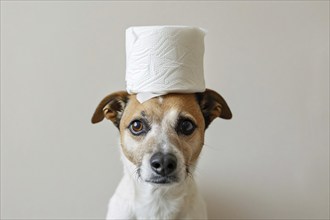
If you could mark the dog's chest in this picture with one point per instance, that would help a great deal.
(159, 204)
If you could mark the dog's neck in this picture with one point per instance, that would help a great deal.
(165, 201)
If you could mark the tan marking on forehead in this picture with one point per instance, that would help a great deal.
(185, 103)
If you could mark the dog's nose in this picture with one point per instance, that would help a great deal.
(163, 164)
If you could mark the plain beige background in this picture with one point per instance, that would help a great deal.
(270, 60)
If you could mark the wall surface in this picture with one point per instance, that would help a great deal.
(269, 59)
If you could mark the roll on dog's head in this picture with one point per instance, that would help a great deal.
(163, 136)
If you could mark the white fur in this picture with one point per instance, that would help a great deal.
(136, 199)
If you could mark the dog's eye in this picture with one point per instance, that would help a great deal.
(186, 127)
(136, 127)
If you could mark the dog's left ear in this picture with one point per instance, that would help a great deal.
(111, 108)
(213, 105)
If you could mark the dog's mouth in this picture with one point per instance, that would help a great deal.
(162, 179)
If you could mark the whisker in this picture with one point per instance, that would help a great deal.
(136, 174)
(218, 147)
(189, 174)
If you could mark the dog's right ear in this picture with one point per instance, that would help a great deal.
(111, 108)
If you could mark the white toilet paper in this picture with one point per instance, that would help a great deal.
(164, 59)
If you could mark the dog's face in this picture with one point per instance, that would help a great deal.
(163, 136)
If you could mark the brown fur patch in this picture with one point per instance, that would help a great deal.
(111, 107)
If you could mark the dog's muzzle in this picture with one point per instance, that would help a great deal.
(163, 167)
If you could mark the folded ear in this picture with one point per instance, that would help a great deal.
(111, 107)
(213, 105)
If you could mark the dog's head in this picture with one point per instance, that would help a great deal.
(162, 137)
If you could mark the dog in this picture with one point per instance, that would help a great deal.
(161, 140)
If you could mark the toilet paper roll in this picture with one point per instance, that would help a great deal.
(164, 59)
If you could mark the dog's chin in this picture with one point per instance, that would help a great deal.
(162, 180)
